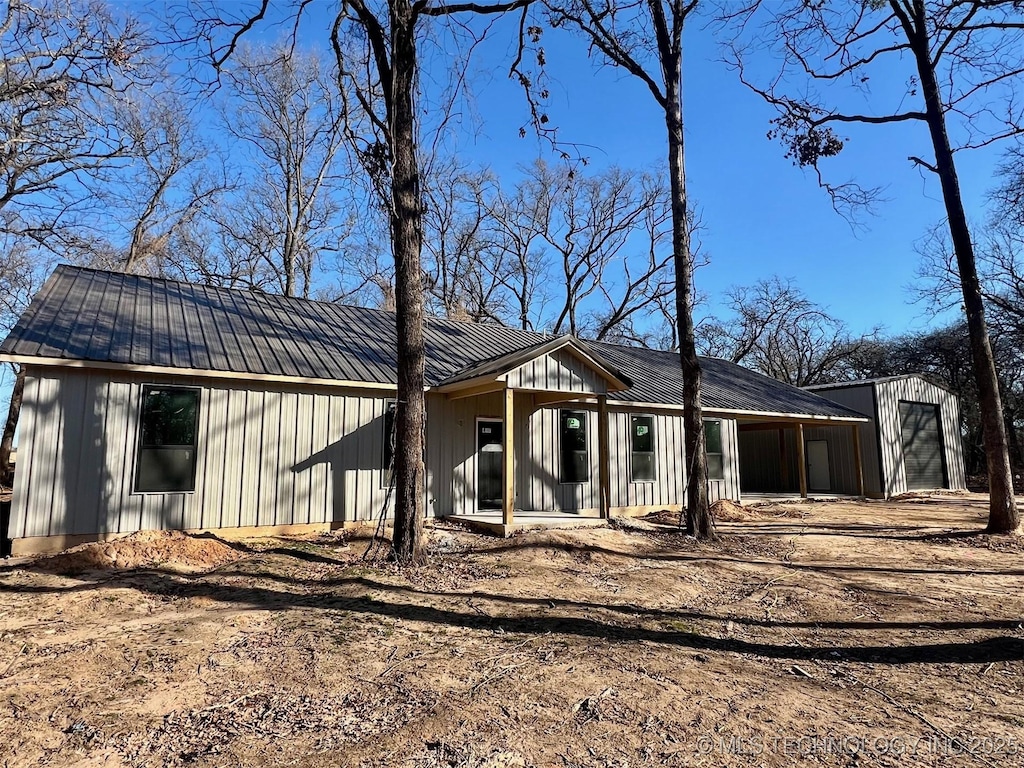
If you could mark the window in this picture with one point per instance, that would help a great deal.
(713, 449)
(167, 440)
(641, 433)
(387, 460)
(575, 464)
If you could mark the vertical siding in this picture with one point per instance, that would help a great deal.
(862, 400)
(917, 390)
(842, 467)
(264, 457)
(559, 371)
(269, 456)
(451, 449)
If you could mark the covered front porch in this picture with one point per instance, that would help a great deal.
(539, 452)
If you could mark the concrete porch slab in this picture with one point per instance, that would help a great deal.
(490, 522)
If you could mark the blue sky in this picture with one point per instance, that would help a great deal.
(762, 215)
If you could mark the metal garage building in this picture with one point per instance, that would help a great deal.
(913, 439)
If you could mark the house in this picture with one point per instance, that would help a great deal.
(156, 404)
(912, 441)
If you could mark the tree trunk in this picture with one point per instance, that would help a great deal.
(7, 443)
(698, 514)
(1003, 516)
(407, 240)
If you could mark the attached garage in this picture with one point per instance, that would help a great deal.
(912, 441)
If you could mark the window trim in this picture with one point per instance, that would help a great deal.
(146, 389)
(653, 451)
(720, 452)
(561, 452)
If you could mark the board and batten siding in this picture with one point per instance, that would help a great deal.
(265, 457)
(452, 470)
(862, 400)
(768, 466)
(558, 371)
(914, 389)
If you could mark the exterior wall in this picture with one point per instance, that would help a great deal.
(766, 466)
(305, 456)
(862, 400)
(842, 466)
(451, 450)
(917, 390)
(559, 371)
(256, 463)
(451, 457)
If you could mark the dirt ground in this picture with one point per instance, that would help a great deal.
(812, 634)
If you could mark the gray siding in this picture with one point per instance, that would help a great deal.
(761, 461)
(842, 467)
(264, 457)
(862, 400)
(917, 390)
(559, 371)
(451, 457)
(274, 457)
(762, 458)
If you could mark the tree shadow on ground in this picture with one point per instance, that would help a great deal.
(547, 616)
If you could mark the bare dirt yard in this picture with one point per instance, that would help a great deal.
(812, 634)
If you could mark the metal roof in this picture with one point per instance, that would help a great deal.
(112, 318)
(934, 381)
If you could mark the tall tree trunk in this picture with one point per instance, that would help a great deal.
(698, 514)
(1003, 516)
(13, 413)
(407, 239)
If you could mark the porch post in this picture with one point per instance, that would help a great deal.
(508, 464)
(857, 459)
(801, 460)
(604, 468)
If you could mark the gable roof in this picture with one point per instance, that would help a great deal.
(502, 364)
(87, 316)
(926, 378)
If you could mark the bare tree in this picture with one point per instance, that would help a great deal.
(464, 266)
(962, 60)
(606, 233)
(376, 49)
(285, 108)
(645, 38)
(776, 330)
(65, 66)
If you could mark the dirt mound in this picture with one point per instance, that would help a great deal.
(727, 511)
(145, 549)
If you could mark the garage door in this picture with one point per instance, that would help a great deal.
(922, 446)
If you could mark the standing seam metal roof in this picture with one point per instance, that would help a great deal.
(107, 317)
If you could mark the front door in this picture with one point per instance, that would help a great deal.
(489, 434)
(818, 477)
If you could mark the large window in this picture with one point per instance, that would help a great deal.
(387, 460)
(167, 440)
(713, 449)
(575, 463)
(642, 448)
